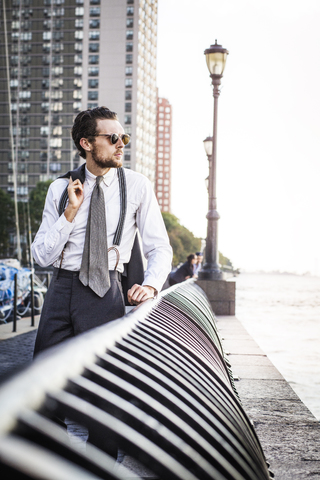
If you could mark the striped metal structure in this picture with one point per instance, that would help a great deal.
(154, 384)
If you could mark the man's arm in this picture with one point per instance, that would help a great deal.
(54, 231)
(156, 247)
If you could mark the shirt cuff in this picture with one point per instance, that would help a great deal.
(151, 282)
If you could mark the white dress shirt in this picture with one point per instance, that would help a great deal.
(57, 234)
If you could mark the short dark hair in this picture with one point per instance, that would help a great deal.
(85, 125)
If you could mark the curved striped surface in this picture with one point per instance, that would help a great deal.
(154, 384)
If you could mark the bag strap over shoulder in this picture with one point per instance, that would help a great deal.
(79, 174)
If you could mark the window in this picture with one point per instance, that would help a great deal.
(77, 106)
(128, 107)
(44, 131)
(57, 71)
(78, 58)
(128, 82)
(43, 156)
(14, 83)
(94, 2)
(25, 94)
(57, 131)
(77, 70)
(79, 11)
(14, 60)
(55, 167)
(129, 35)
(77, 94)
(78, 35)
(46, 36)
(128, 95)
(127, 156)
(92, 105)
(57, 107)
(130, 11)
(94, 11)
(129, 58)
(93, 95)
(43, 143)
(94, 23)
(127, 119)
(79, 23)
(129, 22)
(78, 47)
(94, 35)
(57, 35)
(93, 71)
(56, 119)
(128, 70)
(55, 142)
(93, 59)
(129, 47)
(93, 47)
(93, 83)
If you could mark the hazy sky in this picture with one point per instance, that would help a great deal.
(268, 157)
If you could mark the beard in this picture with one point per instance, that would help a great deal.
(104, 162)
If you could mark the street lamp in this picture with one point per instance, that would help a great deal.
(216, 57)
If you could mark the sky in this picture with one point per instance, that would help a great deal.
(268, 142)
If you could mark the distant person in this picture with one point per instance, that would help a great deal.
(184, 272)
(198, 264)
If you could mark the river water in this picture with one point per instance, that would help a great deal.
(282, 313)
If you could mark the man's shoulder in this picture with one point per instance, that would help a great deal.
(58, 186)
(136, 179)
(132, 174)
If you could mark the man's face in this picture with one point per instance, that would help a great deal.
(103, 153)
(199, 259)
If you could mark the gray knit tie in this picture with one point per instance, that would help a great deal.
(94, 269)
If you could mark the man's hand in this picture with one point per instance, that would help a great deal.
(138, 294)
(75, 193)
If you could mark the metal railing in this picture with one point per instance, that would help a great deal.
(154, 384)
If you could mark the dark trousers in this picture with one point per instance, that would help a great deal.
(71, 308)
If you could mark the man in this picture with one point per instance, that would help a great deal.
(197, 265)
(84, 293)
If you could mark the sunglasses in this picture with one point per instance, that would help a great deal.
(114, 137)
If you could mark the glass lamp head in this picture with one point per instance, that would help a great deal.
(208, 144)
(216, 57)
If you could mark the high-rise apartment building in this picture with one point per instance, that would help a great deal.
(163, 160)
(58, 57)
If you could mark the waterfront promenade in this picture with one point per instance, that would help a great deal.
(288, 432)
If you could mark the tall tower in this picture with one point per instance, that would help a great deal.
(58, 57)
(163, 161)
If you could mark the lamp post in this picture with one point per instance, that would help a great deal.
(216, 57)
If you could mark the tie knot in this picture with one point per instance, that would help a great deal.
(99, 180)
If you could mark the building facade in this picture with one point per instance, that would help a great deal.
(58, 57)
(163, 155)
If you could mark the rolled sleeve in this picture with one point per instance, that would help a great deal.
(53, 233)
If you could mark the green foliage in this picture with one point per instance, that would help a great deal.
(36, 204)
(225, 261)
(182, 241)
(7, 222)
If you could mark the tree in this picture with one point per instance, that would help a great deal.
(182, 241)
(36, 204)
(7, 222)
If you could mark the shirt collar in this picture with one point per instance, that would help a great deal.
(107, 178)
